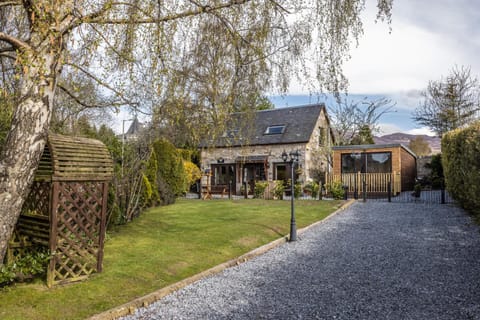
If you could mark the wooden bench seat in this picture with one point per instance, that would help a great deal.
(208, 191)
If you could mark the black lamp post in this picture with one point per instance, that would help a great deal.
(293, 158)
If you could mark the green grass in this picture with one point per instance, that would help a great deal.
(163, 246)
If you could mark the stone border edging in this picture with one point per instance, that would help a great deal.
(130, 307)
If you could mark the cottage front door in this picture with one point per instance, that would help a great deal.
(253, 172)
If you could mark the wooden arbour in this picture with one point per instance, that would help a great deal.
(66, 207)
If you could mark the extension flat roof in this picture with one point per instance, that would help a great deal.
(374, 146)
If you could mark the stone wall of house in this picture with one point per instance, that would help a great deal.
(230, 155)
(318, 156)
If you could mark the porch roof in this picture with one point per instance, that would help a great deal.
(252, 159)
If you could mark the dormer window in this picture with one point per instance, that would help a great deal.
(278, 129)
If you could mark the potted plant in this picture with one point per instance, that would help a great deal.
(417, 190)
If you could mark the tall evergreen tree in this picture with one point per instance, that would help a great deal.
(364, 136)
(450, 103)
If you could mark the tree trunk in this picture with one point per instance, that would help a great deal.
(25, 142)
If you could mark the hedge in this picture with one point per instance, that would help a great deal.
(461, 165)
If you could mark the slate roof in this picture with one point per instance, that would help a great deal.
(244, 129)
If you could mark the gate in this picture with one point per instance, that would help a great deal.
(426, 196)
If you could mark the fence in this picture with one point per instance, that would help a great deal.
(372, 183)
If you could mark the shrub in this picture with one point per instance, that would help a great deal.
(114, 212)
(150, 194)
(192, 172)
(461, 164)
(259, 190)
(336, 190)
(25, 267)
(417, 190)
(436, 176)
(297, 190)
(312, 188)
(165, 173)
(170, 166)
(278, 189)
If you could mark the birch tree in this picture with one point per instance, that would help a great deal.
(116, 43)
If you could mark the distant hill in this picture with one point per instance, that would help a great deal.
(404, 138)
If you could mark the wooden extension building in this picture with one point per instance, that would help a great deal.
(377, 165)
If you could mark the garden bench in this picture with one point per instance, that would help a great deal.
(208, 191)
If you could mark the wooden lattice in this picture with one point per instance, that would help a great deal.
(38, 200)
(17, 246)
(78, 227)
(66, 208)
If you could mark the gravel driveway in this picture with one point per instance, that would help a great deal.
(371, 261)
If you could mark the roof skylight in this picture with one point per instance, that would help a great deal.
(278, 129)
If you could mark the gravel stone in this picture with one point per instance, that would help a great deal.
(372, 261)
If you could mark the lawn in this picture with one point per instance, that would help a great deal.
(162, 246)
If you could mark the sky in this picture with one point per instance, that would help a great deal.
(426, 40)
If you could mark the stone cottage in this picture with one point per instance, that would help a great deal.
(251, 147)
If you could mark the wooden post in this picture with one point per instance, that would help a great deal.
(357, 180)
(102, 229)
(326, 182)
(53, 234)
(389, 191)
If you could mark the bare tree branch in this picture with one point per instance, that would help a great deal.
(7, 3)
(107, 41)
(87, 105)
(99, 18)
(8, 55)
(14, 42)
(282, 8)
(105, 85)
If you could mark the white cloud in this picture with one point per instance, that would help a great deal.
(404, 60)
(425, 43)
(388, 128)
(420, 131)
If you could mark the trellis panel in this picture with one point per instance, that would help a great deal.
(77, 228)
